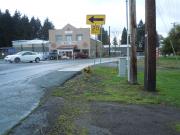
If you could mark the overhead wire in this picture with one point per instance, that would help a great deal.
(170, 8)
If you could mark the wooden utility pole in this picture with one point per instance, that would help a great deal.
(150, 45)
(133, 57)
(128, 59)
(109, 41)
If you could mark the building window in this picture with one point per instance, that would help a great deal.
(59, 38)
(68, 38)
(79, 37)
(85, 51)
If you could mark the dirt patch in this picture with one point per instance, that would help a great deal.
(118, 119)
(104, 119)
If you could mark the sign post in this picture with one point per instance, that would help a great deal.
(96, 22)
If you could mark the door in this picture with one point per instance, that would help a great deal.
(27, 56)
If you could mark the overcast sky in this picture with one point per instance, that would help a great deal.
(61, 12)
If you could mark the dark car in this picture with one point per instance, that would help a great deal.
(81, 55)
(53, 55)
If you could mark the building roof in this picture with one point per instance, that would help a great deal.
(29, 42)
(68, 27)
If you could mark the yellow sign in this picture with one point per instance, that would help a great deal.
(95, 29)
(95, 19)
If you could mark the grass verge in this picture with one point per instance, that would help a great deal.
(177, 127)
(103, 84)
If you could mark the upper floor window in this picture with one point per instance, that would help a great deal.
(79, 37)
(59, 38)
(69, 38)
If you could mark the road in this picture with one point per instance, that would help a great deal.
(23, 85)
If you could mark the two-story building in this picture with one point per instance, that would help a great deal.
(73, 42)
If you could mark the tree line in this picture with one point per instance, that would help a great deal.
(140, 39)
(140, 36)
(171, 44)
(20, 27)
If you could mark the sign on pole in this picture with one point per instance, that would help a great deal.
(95, 19)
(95, 29)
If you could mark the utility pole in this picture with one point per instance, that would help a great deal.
(101, 44)
(128, 59)
(133, 57)
(150, 46)
(109, 41)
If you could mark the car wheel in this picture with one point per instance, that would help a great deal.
(37, 60)
(17, 60)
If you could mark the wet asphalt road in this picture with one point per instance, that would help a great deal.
(23, 85)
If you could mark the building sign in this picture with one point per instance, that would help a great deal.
(68, 32)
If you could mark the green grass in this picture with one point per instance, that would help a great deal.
(168, 62)
(177, 127)
(168, 78)
(103, 84)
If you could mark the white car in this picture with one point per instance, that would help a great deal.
(23, 56)
(65, 57)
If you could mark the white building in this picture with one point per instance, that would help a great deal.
(36, 45)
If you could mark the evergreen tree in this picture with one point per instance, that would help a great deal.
(35, 28)
(140, 36)
(16, 25)
(6, 29)
(20, 28)
(115, 43)
(45, 29)
(25, 28)
(105, 37)
(124, 36)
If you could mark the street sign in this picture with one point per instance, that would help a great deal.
(95, 19)
(95, 29)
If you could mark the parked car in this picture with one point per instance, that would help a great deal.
(81, 55)
(53, 55)
(65, 57)
(23, 56)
